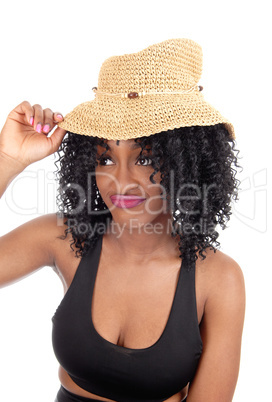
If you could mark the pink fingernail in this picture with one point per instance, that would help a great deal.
(39, 128)
(31, 120)
(46, 128)
(59, 116)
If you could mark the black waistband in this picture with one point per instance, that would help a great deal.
(64, 395)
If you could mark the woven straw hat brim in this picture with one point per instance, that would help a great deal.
(117, 118)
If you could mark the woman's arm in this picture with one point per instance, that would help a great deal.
(27, 248)
(23, 140)
(221, 332)
(9, 169)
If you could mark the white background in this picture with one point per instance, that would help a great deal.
(51, 53)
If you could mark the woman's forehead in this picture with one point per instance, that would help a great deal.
(128, 144)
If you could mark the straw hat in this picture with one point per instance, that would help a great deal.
(144, 93)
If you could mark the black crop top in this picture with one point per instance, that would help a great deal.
(152, 374)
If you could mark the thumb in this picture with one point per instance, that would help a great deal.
(56, 138)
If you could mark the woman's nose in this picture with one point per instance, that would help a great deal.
(125, 179)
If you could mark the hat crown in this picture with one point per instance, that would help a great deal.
(172, 65)
(144, 93)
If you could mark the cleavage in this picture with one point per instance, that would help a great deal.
(132, 310)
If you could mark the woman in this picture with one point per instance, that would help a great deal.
(152, 311)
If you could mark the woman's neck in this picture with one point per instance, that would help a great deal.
(142, 242)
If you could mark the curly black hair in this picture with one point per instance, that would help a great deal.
(199, 163)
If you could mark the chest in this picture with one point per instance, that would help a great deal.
(139, 328)
(130, 305)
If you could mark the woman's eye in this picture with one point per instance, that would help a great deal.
(145, 159)
(106, 161)
(102, 161)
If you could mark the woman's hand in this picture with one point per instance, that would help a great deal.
(24, 137)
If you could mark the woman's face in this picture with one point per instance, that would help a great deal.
(123, 172)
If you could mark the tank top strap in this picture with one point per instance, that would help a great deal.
(82, 282)
(87, 269)
(188, 280)
(185, 308)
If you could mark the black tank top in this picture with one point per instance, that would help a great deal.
(152, 374)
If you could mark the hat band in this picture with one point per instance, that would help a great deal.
(132, 95)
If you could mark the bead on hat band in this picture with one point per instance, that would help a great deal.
(132, 95)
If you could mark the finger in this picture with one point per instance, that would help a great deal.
(38, 118)
(56, 138)
(25, 108)
(48, 123)
(57, 117)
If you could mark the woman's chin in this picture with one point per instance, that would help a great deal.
(133, 223)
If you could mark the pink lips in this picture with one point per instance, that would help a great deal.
(126, 201)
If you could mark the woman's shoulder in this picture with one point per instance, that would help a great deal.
(55, 227)
(219, 272)
(29, 247)
(217, 260)
(65, 261)
(52, 226)
(50, 230)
